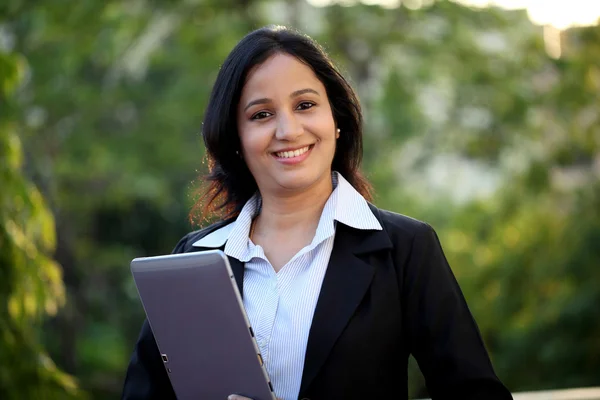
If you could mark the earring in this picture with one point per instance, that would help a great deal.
(338, 133)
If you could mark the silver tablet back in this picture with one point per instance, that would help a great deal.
(203, 334)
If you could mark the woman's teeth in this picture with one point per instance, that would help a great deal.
(290, 154)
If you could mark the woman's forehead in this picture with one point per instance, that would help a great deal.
(280, 72)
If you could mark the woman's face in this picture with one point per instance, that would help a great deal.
(286, 126)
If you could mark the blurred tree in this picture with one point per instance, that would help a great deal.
(531, 254)
(30, 280)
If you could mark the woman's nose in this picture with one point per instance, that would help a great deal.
(288, 128)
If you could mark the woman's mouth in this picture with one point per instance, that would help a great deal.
(293, 153)
(293, 156)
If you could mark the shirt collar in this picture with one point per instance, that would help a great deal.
(345, 204)
(352, 209)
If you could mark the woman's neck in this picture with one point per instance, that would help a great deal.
(281, 212)
(288, 222)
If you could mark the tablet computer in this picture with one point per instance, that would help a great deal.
(203, 334)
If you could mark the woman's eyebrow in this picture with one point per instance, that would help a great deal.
(257, 101)
(294, 94)
(304, 91)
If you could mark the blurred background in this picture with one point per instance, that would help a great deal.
(482, 118)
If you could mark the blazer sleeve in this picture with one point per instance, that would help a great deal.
(146, 378)
(442, 334)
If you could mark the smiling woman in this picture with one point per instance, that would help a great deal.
(291, 122)
(235, 109)
(338, 292)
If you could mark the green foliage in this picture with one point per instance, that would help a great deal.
(31, 284)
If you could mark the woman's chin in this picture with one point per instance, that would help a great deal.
(298, 182)
(293, 185)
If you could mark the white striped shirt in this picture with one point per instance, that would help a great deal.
(280, 306)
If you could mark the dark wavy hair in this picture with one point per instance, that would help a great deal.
(229, 183)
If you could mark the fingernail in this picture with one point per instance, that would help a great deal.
(232, 397)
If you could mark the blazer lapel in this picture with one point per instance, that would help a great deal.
(238, 271)
(345, 283)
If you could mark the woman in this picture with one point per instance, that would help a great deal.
(338, 292)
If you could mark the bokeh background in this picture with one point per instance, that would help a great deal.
(482, 120)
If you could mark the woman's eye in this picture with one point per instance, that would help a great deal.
(305, 105)
(261, 115)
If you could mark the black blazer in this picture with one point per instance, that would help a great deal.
(386, 294)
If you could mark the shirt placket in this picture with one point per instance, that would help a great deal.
(264, 329)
